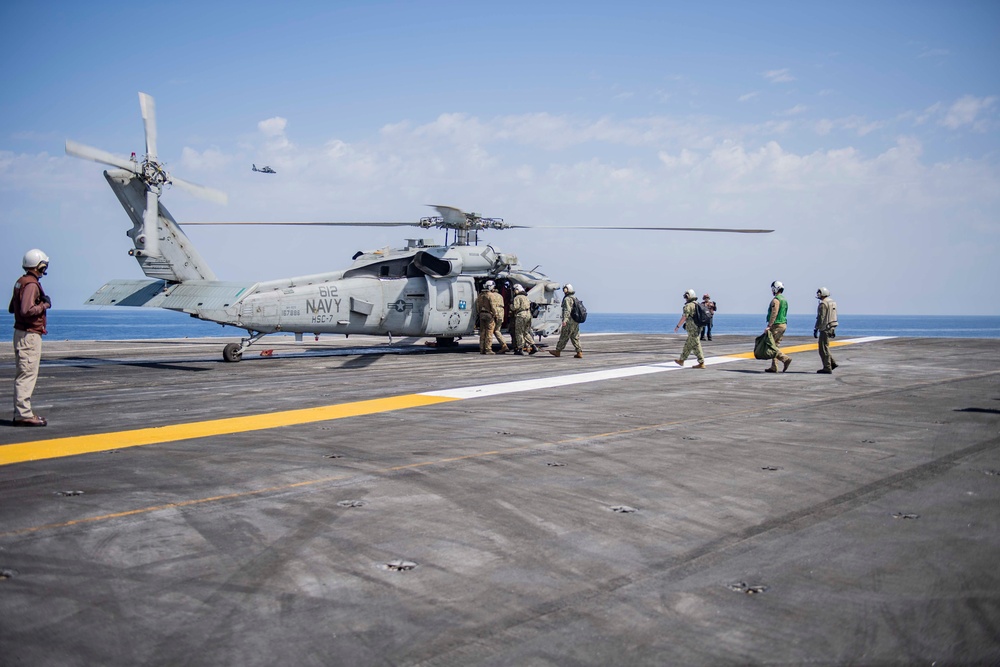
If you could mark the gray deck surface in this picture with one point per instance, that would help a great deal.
(865, 506)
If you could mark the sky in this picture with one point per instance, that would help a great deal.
(866, 134)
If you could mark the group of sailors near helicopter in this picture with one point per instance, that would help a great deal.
(491, 310)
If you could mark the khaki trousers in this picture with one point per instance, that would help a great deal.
(486, 324)
(824, 351)
(778, 332)
(27, 357)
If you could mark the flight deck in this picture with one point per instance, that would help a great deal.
(348, 501)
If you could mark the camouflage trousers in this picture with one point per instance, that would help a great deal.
(570, 334)
(692, 344)
(522, 330)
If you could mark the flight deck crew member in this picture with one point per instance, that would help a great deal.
(777, 322)
(825, 328)
(499, 315)
(692, 344)
(28, 303)
(570, 328)
(520, 310)
(489, 305)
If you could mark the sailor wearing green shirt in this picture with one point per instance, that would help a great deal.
(777, 322)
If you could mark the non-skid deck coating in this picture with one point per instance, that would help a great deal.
(347, 503)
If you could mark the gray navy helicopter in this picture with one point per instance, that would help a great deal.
(423, 290)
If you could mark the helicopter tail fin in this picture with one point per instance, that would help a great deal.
(178, 261)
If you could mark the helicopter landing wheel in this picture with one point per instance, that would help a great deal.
(231, 352)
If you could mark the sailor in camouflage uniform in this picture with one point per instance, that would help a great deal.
(692, 344)
(570, 328)
(520, 309)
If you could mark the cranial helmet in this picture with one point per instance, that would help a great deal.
(822, 293)
(33, 258)
(518, 289)
(568, 289)
(776, 287)
(490, 286)
(690, 295)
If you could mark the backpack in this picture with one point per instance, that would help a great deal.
(702, 316)
(578, 313)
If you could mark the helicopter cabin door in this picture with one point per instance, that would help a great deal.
(451, 304)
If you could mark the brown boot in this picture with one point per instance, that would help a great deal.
(554, 353)
(787, 362)
(701, 364)
(504, 349)
(578, 355)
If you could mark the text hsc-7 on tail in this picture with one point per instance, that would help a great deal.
(424, 289)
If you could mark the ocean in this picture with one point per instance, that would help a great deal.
(143, 323)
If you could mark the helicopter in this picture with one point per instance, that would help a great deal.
(264, 170)
(424, 289)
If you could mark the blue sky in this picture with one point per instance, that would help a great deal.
(866, 134)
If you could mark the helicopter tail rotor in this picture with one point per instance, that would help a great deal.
(150, 171)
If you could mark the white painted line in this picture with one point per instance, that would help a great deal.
(484, 390)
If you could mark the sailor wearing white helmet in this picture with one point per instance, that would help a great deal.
(28, 304)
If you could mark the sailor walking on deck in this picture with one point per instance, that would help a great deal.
(570, 328)
(825, 328)
(520, 310)
(777, 322)
(693, 343)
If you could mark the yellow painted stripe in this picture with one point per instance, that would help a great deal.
(792, 349)
(102, 442)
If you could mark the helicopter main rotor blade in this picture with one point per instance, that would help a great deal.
(316, 224)
(200, 190)
(654, 229)
(148, 107)
(151, 224)
(97, 155)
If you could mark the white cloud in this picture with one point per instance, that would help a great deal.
(273, 127)
(746, 97)
(966, 111)
(778, 75)
(798, 109)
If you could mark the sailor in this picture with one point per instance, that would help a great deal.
(499, 315)
(692, 344)
(570, 328)
(29, 304)
(777, 322)
(520, 310)
(825, 328)
(489, 305)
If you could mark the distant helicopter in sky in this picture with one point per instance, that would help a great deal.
(425, 289)
(264, 170)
